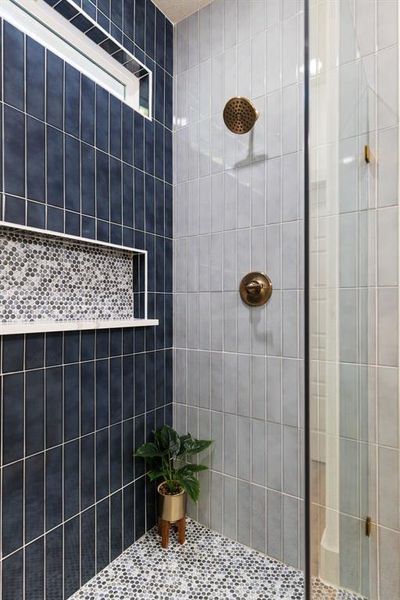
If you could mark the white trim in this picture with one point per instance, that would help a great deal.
(47, 326)
(73, 238)
(50, 29)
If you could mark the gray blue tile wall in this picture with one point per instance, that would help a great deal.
(237, 208)
(74, 405)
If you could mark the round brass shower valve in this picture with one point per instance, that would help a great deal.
(255, 289)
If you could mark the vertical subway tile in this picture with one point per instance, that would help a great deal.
(34, 497)
(244, 512)
(54, 564)
(115, 126)
(35, 215)
(87, 492)
(71, 556)
(55, 219)
(258, 529)
(72, 168)
(274, 457)
(71, 346)
(102, 464)
(54, 349)
(12, 508)
(72, 100)
(127, 134)
(13, 417)
(387, 322)
(54, 90)
(53, 461)
(274, 524)
(34, 569)
(139, 507)
(12, 576)
(55, 167)
(54, 412)
(139, 140)
(35, 173)
(102, 186)
(388, 168)
(388, 469)
(13, 66)
(71, 479)
(116, 525)
(290, 460)
(14, 159)
(34, 411)
(140, 8)
(34, 351)
(290, 531)
(87, 397)
(87, 548)
(35, 78)
(13, 353)
(102, 119)
(87, 110)
(115, 458)
(88, 179)
(388, 428)
(349, 529)
(128, 515)
(389, 548)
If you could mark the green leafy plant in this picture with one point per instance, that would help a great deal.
(168, 458)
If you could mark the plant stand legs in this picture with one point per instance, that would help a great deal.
(164, 530)
(181, 530)
(164, 527)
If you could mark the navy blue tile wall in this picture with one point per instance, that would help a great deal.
(75, 405)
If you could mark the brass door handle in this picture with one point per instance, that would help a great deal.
(255, 289)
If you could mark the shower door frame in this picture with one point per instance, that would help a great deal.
(307, 425)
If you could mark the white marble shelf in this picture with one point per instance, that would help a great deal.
(49, 326)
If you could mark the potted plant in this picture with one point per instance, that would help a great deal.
(168, 458)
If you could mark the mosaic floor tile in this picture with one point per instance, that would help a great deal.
(208, 566)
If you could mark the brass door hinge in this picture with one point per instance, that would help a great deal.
(368, 156)
(368, 526)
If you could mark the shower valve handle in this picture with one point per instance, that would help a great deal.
(255, 289)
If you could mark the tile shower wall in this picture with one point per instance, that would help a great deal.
(74, 405)
(238, 208)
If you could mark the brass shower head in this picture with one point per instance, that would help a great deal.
(240, 114)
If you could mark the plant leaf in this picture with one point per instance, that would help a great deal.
(155, 474)
(193, 446)
(185, 440)
(189, 469)
(174, 443)
(148, 450)
(191, 486)
(168, 441)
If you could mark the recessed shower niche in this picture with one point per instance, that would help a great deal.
(55, 282)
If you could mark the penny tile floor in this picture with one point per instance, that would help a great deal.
(207, 566)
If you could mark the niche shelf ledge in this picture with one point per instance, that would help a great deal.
(51, 326)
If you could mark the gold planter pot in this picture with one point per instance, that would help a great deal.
(171, 508)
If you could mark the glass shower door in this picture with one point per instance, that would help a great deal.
(353, 299)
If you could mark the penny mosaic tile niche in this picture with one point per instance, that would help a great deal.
(76, 160)
(50, 279)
